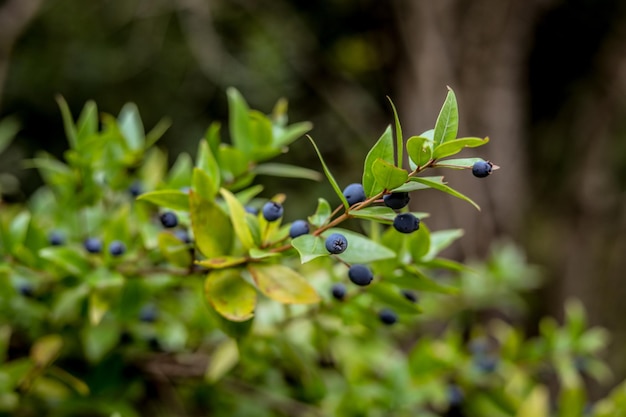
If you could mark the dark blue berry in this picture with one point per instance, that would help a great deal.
(182, 235)
(272, 211)
(354, 193)
(387, 316)
(487, 364)
(117, 248)
(406, 223)
(339, 291)
(148, 313)
(298, 228)
(455, 395)
(56, 238)
(336, 243)
(252, 210)
(93, 245)
(360, 274)
(396, 200)
(135, 188)
(25, 289)
(169, 219)
(481, 169)
(409, 295)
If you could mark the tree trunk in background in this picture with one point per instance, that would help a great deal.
(478, 48)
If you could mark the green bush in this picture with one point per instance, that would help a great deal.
(127, 288)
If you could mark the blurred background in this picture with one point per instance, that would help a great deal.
(544, 79)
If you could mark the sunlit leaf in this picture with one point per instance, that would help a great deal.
(223, 359)
(322, 213)
(222, 262)
(230, 295)
(287, 171)
(283, 284)
(382, 149)
(46, 349)
(460, 163)
(309, 247)
(399, 140)
(173, 199)
(175, 251)
(131, 126)
(239, 121)
(420, 150)
(387, 175)
(212, 229)
(448, 120)
(446, 189)
(455, 146)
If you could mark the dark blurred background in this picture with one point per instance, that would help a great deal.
(544, 79)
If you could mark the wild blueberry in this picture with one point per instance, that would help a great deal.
(56, 238)
(360, 274)
(339, 291)
(169, 219)
(481, 169)
(93, 245)
(354, 193)
(117, 248)
(298, 228)
(272, 211)
(336, 243)
(148, 313)
(252, 210)
(25, 289)
(455, 395)
(182, 235)
(409, 295)
(396, 200)
(135, 188)
(387, 316)
(406, 223)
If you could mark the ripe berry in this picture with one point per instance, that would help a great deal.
(455, 395)
(409, 295)
(387, 316)
(25, 289)
(406, 223)
(148, 313)
(339, 291)
(360, 274)
(252, 210)
(182, 235)
(298, 228)
(396, 200)
(93, 245)
(117, 248)
(481, 169)
(169, 219)
(336, 243)
(272, 211)
(56, 238)
(354, 193)
(135, 188)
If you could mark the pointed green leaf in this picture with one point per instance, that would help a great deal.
(239, 121)
(131, 127)
(212, 229)
(68, 122)
(455, 146)
(381, 214)
(203, 184)
(291, 133)
(382, 149)
(412, 185)
(309, 247)
(322, 213)
(87, 124)
(387, 175)
(447, 124)
(157, 132)
(283, 284)
(222, 262)
(99, 340)
(180, 174)
(360, 248)
(66, 258)
(440, 240)
(223, 359)
(206, 161)
(445, 189)
(46, 350)
(460, 163)
(399, 140)
(249, 193)
(329, 175)
(287, 171)
(260, 130)
(238, 219)
(420, 150)
(230, 295)
(174, 199)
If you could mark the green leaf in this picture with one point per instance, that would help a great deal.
(131, 127)
(230, 295)
(180, 173)
(203, 184)
(212, 229)
(260, 131)
(412, 185)
(239, 121)
(536, 404)
(175, 251)
(419, 242)
(322, 213)
(68, 122)
(382, 149)
(287, 171)
(390, 295)
(157, 132)
(361, 249)
(249, 193)
(46, 350)
(99, 340)
(238, 219)
(87, 124)
(222, 262)
(262, 254)
(233, 163)
(291, 133)
(283, 284)
(9, 127)
(381, 214)
(461, 163)
(206, 162)
(399, 140)
(444, 188)
(387, 175)
(420, 150)
(330, 177)
(415, 279)
(223, 359)
(440, 240)
(66, 258)
(174, 199)
(309, 247)
(448, 120)
(455, 146)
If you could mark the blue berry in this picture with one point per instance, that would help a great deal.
(409, 295)
(252, 210)
(93, 245)
(481, 169)
(135, 188)
(182, 235)
(406, 223)
(148, 313)
(169, 219)
(298, 228)
(387, 316)
(487, 364)
(354, 193)
(396, 200)
(455, 395)
(272, 211)
(56, 238)
(336, 243)
(360, 274)
(339, 291)
(117, 248)
(25, 289)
